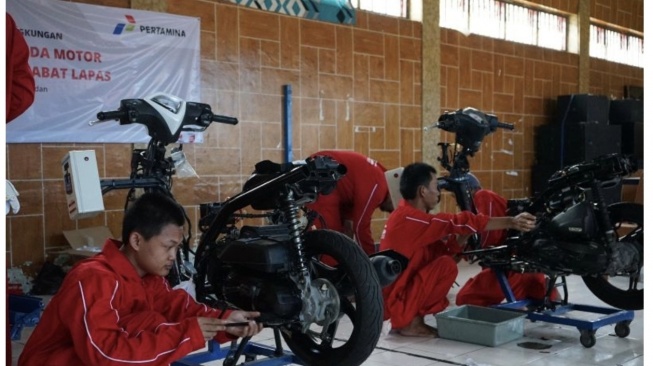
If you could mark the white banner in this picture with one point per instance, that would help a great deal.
(86, 58)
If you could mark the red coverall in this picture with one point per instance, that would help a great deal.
(19, 95)
(106, 314)
(484, 289)
(20, 81)
(424, 239)
(361, 191)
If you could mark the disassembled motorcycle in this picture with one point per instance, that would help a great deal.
(576, 233)
(276, 268)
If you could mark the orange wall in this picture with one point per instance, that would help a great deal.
(356, 88)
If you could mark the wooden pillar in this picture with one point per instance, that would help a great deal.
(584, 47)
(431, 105)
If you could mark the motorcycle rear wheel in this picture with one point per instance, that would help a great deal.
(353, 272)
(629, 219)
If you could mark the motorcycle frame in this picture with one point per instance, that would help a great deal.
(457, 183)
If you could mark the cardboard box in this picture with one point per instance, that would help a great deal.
(87, 242)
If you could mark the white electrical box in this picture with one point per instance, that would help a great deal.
(82, 184)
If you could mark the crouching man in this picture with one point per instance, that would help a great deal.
(431, 243)
(116, 308)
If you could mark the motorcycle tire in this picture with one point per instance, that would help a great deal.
(600, 286)
(366, 315)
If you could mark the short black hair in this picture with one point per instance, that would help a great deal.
(414, 176)
(150, 213)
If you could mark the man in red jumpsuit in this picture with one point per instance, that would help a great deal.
(430, 242)
(20, 81)
(20, 90)
(349, 208)
(484, 289)
(116, 308)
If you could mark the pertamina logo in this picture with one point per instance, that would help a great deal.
(120, 27)
(149, 29)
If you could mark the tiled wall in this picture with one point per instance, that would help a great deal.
(356, 88)
(624, 13)
(520, 85)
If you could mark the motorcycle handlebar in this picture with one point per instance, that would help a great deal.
(109, 115)
(507, 126)
(224, 119)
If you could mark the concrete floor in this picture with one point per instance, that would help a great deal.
(565, 347)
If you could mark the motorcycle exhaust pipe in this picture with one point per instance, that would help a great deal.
(388, 265)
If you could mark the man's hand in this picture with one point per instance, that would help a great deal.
(523, 222)
(211, 326)
(461, 240)
(238, 316)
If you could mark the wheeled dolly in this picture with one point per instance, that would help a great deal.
(272, 356)
(551, 312)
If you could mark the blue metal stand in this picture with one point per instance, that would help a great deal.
(24, 311)
(550, 312)
(273, 356)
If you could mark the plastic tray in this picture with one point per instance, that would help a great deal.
(480, 325)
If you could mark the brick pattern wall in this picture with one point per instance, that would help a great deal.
(624, 13)
(519, 84)
(355, 88)
(609, 78)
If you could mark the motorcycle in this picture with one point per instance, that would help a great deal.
(276, 268)
(577, 233)
(166, 117)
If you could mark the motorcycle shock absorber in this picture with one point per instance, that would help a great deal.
(291, 212)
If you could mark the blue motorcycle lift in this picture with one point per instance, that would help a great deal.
(274, 356)
(552, 314)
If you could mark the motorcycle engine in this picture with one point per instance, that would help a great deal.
(569, 257)
(576, 223)
(565, 242)
(252, 274)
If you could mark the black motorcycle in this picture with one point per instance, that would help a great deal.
(277, 268)
(577, 232)
(166, 117)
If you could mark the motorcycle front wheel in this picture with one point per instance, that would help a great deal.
(353, 336)
(623, 292)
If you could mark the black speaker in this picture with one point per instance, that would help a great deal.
(547, 144)
(626, 111)
(576, 108)
(572, 143)
(540, 175)
(586, 141)
(632, 139)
